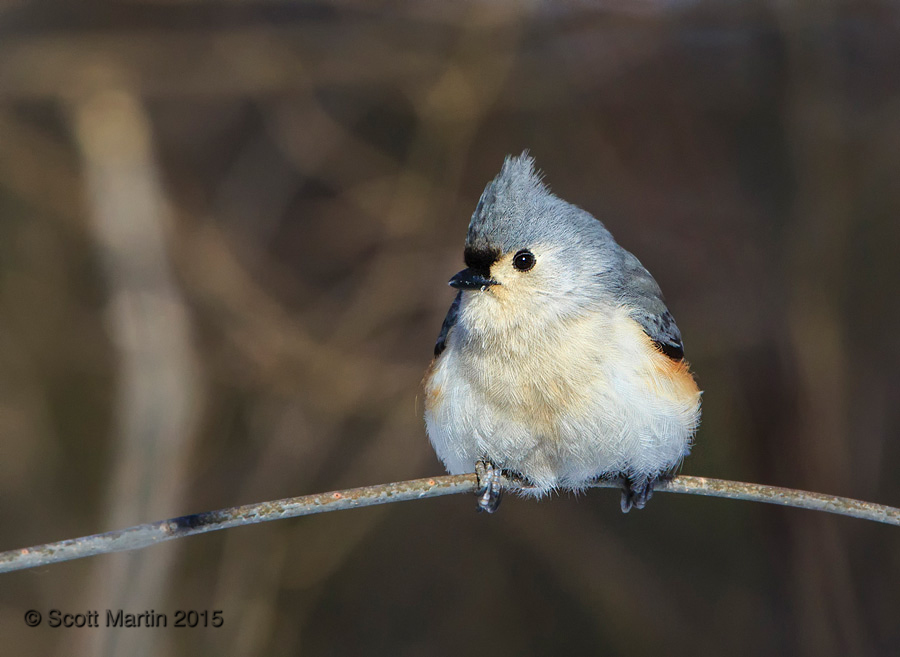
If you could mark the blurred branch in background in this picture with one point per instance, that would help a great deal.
(158, 387)
(142, 536)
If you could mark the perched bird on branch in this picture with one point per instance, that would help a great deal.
(558, 362)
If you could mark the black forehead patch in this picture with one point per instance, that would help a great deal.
(480, 260)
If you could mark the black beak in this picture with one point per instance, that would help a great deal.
(469, 279)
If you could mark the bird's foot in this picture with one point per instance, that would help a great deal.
(637, 492)
(489, 491)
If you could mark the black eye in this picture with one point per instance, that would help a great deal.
(523, 260)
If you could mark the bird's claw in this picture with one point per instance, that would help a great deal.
(489, 491)
(637, 492)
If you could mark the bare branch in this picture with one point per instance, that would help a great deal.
(801, 499)
(141, 536)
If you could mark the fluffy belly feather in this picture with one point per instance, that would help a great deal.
(596, 399)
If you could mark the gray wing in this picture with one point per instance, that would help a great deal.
(641, 293)
(449, 322)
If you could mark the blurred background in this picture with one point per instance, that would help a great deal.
(226, 230)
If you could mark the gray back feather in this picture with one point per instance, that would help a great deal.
(449, 323)
(640, 292)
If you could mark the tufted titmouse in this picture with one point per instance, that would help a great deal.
(558, 362)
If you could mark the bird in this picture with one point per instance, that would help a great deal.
(558, 363)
